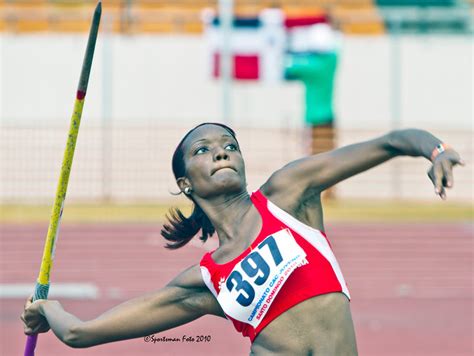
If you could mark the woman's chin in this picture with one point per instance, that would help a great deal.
(229, 184)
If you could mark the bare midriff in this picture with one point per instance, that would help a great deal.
(321, 325)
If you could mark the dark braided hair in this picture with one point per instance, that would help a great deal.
(179, 229)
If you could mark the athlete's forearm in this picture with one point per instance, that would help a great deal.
(413, 142)
(145, 315)
(63, 324)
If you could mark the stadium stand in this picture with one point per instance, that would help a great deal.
(445, 3)
(422, 16)
(162, 16)
(365, 17)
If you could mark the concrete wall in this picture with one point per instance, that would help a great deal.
(433, 87)
(166, 78)
(163, 79)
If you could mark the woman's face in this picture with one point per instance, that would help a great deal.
(213, 161)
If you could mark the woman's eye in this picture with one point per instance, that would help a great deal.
(231, 147)
(200, 150)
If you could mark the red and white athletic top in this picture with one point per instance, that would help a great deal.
(287, 263)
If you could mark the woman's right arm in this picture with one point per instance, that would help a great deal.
(184, 299)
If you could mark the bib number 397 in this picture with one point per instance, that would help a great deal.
(253, 284)
(254, 266)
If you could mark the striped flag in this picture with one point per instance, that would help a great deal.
(258, 45)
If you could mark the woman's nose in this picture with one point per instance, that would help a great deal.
(221, 155)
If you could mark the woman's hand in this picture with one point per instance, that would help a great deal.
(441, 172)
(34, 321)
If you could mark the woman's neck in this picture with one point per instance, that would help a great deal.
(226, 214)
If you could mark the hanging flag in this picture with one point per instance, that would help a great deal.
(256, 45)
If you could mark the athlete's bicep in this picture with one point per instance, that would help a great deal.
(202, 299)
(321, 171)
(183, 300)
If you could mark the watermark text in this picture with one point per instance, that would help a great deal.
(153, 339)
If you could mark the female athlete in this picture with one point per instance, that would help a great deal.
(274, 275)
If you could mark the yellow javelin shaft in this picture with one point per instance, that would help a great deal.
(48, 252)
(55, 219)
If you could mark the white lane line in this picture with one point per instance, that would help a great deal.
(57, 290)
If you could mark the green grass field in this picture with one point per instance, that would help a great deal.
(340, 210)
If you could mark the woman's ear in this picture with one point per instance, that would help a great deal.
(183, 183)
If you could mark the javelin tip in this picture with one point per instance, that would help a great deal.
(98, 8)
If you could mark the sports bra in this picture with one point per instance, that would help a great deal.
(287, 263)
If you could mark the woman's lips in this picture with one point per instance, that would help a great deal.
(220, 168)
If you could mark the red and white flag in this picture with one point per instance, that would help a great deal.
(256, 45)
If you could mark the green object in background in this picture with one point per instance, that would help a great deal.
(317, 72)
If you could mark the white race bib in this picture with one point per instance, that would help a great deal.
(251, 287)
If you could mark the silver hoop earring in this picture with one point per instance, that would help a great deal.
(187, 190)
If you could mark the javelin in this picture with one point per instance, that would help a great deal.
(42, 284)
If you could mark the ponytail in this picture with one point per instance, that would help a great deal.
(179, 230)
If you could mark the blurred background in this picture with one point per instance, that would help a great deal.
(293, 78)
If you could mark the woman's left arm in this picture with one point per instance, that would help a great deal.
(319, 172)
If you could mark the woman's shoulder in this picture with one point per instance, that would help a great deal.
(283, 192)
(189, 278)
(302, 204)
(194, 292)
